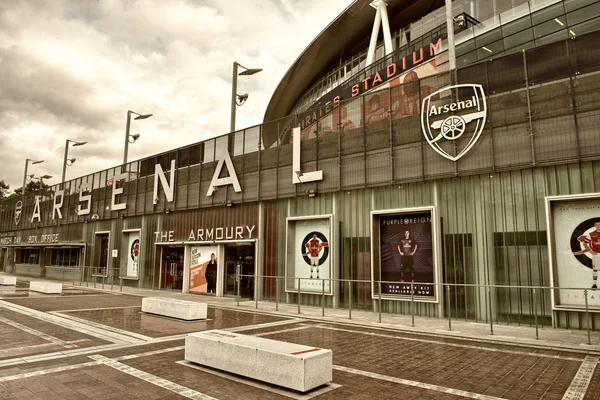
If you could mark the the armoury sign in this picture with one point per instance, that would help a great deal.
(453, 118)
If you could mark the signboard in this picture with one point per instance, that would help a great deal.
(574, 246)
(404, 253)
(309, 254)
(453, 118)
(133, 253)
(203, 269)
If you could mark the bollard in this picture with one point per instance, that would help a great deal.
(120, 284)
(103, 278)
(238, 281)
(449, 308)
(350, 299)
(412, 302)
(299, 295)
(490, 303)
(255, 296)
(112, 281)
(537, 334)
(322, 297)
(277, 293)
(379, 302)
(587, 319)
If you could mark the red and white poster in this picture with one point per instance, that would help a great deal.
(203, 269)
(133, 254)
(309, 254)
(575, 251)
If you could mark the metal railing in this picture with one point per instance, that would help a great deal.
(374, 300)
(100, 277)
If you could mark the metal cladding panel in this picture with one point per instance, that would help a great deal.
(512, 146)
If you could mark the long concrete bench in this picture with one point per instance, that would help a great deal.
(8, 280)
(290, 365)
(174, 308)
(45, 287)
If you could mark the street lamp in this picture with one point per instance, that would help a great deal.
(25, 173)
(127, 135)
(234, 96)
(41, 178)
(67, 160)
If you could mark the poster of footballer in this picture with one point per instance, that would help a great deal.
(133, 253)
(575, 250)
(406, 254)
(308, 254)
(203, 269)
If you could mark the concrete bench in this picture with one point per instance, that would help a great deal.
(8, 280)
(290, 365)
(46, 287)
(174, 308)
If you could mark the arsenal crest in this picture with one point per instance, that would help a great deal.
(18, 210)
(453, 118)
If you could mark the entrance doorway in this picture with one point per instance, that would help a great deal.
(240, 257)
(101, 254)
(171, 268)
(3, 257)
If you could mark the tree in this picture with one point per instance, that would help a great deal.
(32, 187)
(4, 188)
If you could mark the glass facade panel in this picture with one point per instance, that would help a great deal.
(560, 35)
(518, 39)
(516, 26)
(571, 5)
(491, 50)
(585, 27)
(583, 14)
(548, 13)
(548, 27)
(489, 37)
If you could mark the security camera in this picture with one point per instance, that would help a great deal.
(460, 20)
(95, 217)
(241, 98)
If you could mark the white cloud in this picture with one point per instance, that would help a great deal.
(72, 69)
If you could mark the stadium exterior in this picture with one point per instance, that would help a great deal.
(383, 179)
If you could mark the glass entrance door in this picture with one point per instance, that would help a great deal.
(171, 269)
(239, 257)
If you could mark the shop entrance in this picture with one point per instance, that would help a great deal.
(171, 268)
(240, 257)
(3, 256)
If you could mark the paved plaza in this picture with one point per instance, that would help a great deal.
(94, 343)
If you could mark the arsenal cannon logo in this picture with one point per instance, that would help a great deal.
(18, 210)
(453, 118)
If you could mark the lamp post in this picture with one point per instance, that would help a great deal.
(66, 160)
(41, 179)
(127, 135)
(25, 173)
(234, 96)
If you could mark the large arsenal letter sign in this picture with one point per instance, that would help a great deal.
(451, 113)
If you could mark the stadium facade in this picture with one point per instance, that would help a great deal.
(381, 178)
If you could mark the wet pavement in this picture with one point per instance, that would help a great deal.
(93, 344)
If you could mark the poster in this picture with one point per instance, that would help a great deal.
(203, 269)
(308, 254)
(405, 248)
(575, 227)
(133, 253)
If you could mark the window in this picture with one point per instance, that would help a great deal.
(28, 256)
(65, 257)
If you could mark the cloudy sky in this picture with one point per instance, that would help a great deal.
(70, 69)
